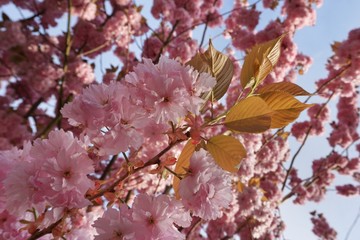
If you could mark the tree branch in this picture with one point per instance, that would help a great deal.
(108, 167)
(152, 161)
(303, 142)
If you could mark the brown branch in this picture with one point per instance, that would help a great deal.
(93, 50)
(315, 177)
(108, 167)
(66, 61)
(166, 42)
(38, 234)
(221, 15)
(203, 34)
(153, 161)
(356, 219)
(193, 227)
(239, 228)
(342, 71)
(52, 123)
(303, 142)
(33, 107)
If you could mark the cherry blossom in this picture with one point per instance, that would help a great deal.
(211, 187)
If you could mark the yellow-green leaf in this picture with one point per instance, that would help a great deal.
(182, 164)
(286, 108)
(259, 62)
(250, 115)
(288, 87)
(227, 152)
(199, 62)
(216, 64)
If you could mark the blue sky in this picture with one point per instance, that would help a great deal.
(334, 20)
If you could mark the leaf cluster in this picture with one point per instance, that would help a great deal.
(265, 107)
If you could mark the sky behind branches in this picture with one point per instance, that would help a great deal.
(334, 20)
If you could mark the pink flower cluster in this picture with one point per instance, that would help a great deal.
(319, 115)
(211, 187)
(178, 18)
(321, 227)
(297, 14)
(342, 80)
(116, 116)
(322, 177)
(52, 172)
(261, 175)
(345, 130)
(241, 24)
(149, 218)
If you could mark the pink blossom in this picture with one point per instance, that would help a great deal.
(81, 223)
(226, 225)
(88, 37)
(152, 46)
(10, 227)
(66, 165)
(169, 89)
(85, 9)
(19, 133)
(115, 224)
(162, 8)
(243, 17)
(345, 130)
(270, 3)
(149, 218)
(23, 188)
(122, 2)
(348, 190)
(109, 117)
(183, 48)
(299, 129)
(319, 115)
(299, 14)
(322, 228)
(211, 189)
(80, 74)
(155, 217)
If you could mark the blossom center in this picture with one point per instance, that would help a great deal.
(67, 174)
(118, 235)
(166, 99)
(151, 220)
(124, 122)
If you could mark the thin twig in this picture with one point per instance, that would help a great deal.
(314, 178)
(153, 161)
(193, 227)
(174, 173)
(219, 16)
(303, 142)
(108, 167)
(45, 231)
(203, 34)
(33, 107)
(357, 217)
(329, 81)
(93, 50)
(166, 42)
(52, 123)
(66, 60)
